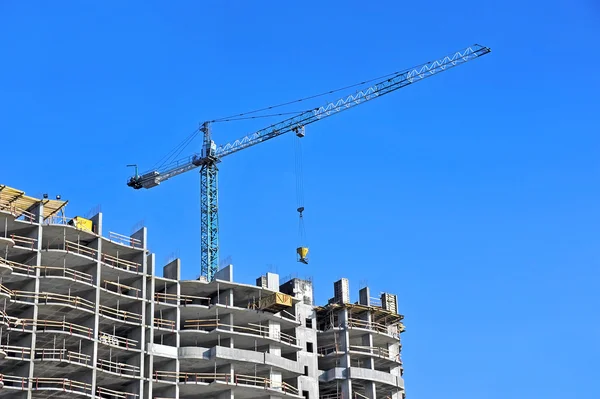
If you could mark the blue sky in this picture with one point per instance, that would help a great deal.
(472, 195)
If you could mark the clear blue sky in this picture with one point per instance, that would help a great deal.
(472, 195)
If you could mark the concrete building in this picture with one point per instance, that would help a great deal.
(84, 314)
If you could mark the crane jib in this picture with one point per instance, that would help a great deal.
(212, 153)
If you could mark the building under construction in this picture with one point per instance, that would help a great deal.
(84, 314)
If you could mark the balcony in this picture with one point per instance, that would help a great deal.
(52, 326)
(239, 380)
(183, 300)
(116, 341)
(49, 298)
(249, 329)
(121, 369)
(105, 393)
(63, 355)
(122, 289)
(120, 315)
(118, 263)
(47, 384)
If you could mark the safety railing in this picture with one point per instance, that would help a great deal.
(16, 352)
(118, 368)
(25, 242)
(51, 326)
(49, 271)
(251, 328)
(124, 240)
(114, 340)
(4, 318)
(380, 328)
(18, 213)
(38, 383)
(327, 349)
(122, 289)
(376, 351)
(236, 379)
(240, 379)
(122, 315)
(165, 324)
(6, 291)
(20, 268)
(118, 263)
(112, 394)
(63, 355)
(75, 275)
(73, 247)
(174, 299)
(14, 382)
(50, 298)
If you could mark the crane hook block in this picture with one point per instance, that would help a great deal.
(302, 254)
(299, 131)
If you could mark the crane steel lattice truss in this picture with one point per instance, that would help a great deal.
(211, 153)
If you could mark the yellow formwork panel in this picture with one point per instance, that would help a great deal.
(275, 302)
(82, 223)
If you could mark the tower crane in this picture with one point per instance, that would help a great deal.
(211, 153)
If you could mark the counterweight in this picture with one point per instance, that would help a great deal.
(211, 153)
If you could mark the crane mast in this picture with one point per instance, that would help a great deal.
(211, 154)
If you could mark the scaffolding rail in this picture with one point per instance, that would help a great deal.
(112, 394)
(174, 299)
(116, 262)
(75, 275)
(63, 355)
(73, 247)
(121, 315)
(24, 242)
(115, 340)
(251, 328)
(38, 383)
(125, 369)
(122, 289)
(165, 324)
(124, 240)
(16, 352)
(50, 298)
(235, 379)
(377, 327)
(18, 213)
(51, 326)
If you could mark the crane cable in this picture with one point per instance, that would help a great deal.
(243, 116)
(176, 151)
(299, 172)
(325, 93)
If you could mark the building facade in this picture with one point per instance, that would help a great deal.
(83, 314)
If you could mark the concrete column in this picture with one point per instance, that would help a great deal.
(149, 291)
(228, 321)
(39, 214)
(276, 378)
(97, 221)
(346, 383)
(142, 235)
(275, 349)
(367, 340)
(226, 297)
(370, 391)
